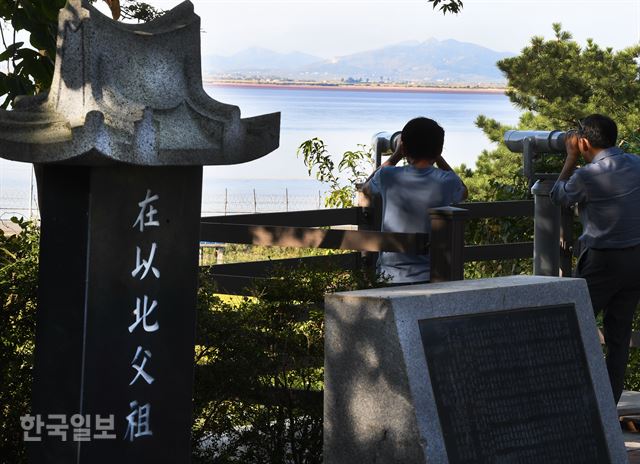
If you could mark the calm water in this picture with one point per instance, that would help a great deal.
(342, 118)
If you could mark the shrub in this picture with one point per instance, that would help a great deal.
(18, 288)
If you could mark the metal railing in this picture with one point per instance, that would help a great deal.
(308, 229)
(301, 229)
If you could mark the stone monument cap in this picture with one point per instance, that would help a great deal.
(131, 93)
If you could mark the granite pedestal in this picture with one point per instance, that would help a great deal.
(505, 370)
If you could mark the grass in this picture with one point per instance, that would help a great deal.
(235, 253)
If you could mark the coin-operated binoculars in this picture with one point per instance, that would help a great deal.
(383, 142)
(533, 144)
(550, 252)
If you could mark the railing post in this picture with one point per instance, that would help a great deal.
(447, 243)
(370, 218)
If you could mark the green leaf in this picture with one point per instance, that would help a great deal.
(22, 20)
(451, 6)
(43, 39)
(51, 9)
(10, 51)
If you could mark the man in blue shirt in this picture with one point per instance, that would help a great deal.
(408, 192)
(607, 191)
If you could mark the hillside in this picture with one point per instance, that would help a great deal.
(432, 61)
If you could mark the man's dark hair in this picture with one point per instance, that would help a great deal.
(601, 131)
(422, 138)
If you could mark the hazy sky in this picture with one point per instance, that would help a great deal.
(337, 27)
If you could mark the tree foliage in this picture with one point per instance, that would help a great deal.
(352, 169)
(447, 6)
(555, 82)
(27, 69)
(18, 286)
(258, 360)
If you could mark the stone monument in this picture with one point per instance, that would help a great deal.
(505, 370)
(118, 144)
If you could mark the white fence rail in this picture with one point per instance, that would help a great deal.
(22, 203)
(19, 197)
(255, 201)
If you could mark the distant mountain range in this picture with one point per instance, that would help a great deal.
(433, 61)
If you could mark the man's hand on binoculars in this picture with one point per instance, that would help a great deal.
(398, 154)
(571, 145)
(573, 153)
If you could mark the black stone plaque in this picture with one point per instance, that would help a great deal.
(116, 315)
(514, 387)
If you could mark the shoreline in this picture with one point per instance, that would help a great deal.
(357, 88)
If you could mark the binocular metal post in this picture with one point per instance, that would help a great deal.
(553, 242)
(546, 230)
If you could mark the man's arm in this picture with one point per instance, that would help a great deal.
(561, 193)
(442, 164)
(394, 159)
(571, 145)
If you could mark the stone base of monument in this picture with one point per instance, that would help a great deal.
(506, 370)
(629, 412)
(629, 404)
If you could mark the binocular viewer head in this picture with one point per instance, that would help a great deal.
(532, 143)
(385, 141)
(516, 140)
(382, 142)
(529, 143)
(536, 141)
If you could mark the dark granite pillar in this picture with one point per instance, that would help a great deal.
(116, 316)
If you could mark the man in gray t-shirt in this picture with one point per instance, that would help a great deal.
(408, 192)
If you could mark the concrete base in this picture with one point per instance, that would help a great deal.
(380, 405)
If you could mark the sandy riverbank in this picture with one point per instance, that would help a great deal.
(353, 87)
